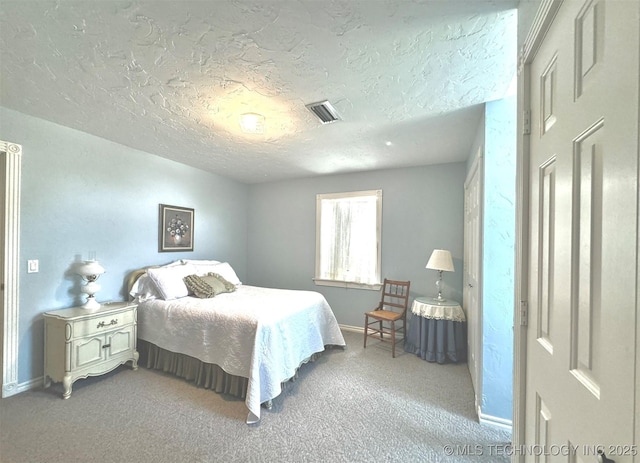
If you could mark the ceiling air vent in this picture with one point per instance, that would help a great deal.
(324, 111)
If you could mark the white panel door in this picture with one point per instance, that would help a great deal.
(3, 176)
(472, 259)
(580, 367)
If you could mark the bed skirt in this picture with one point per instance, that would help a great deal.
(205, 375)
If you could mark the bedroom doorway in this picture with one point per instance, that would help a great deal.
(10, 172)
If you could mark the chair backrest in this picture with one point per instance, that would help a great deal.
(395, 295)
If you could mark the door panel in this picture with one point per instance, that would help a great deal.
(88, 351)
(580, 383)
(472, 259)
(121, 341)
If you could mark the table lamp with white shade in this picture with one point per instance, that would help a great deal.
(90, 270)
(441, 261)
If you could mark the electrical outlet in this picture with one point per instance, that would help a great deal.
(33, 266)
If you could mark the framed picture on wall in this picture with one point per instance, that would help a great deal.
(175, 228)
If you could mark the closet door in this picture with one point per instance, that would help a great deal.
(472, 268)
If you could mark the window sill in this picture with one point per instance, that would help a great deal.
(347, 284)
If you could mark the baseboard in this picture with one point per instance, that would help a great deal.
(354, 329)
(9, 389)
(22, 387)
(360, 330)
(495, 421)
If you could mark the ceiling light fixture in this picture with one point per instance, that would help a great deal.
(252, 123)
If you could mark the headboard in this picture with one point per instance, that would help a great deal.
(133, 277)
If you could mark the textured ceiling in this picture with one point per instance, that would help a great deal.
(172, 77)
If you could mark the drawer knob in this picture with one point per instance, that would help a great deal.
(102, 324)
(106, 346)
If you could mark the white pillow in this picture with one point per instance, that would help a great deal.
(144, 289)
(169, 280)
(174, 263)
(203, 267)
(225, 271)
(200, 262)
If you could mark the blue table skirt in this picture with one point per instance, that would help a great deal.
(441, 341)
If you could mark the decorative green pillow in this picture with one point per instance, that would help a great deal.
(209, 285)
(198, 287)
(218, 283)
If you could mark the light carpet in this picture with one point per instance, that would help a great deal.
(351, 405)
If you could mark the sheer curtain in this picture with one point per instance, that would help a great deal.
(349, 239)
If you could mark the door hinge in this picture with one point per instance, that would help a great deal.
(524, 313)
(526, 122)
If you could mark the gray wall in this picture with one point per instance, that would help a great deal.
(84, 194)
(422, 209)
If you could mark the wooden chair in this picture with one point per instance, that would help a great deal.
(391, 309)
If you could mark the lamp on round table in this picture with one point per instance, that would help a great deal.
(441, 261)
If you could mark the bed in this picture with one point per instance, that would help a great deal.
(198, 321)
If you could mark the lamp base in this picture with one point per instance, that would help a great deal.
(439, 286)
(91, 304)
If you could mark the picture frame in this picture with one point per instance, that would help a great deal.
(175, 228)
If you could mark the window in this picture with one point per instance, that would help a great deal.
(348, 227)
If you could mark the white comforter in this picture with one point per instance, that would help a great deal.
(258, 333)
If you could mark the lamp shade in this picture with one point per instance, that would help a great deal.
(90, 268)
(440, 260)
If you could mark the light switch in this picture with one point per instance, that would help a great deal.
(33, 266)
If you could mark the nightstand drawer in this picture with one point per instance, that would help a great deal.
(102, 324)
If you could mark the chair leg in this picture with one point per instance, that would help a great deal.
(381, 336)
(366, 326)
(393, 339)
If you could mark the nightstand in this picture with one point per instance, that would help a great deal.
(79, 343)
(437, 332)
